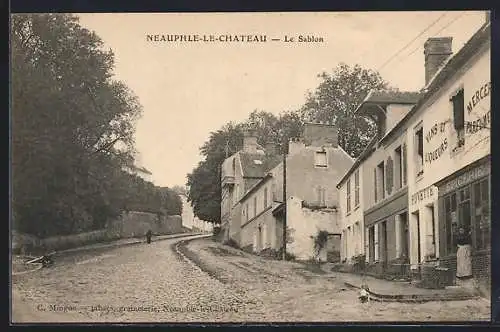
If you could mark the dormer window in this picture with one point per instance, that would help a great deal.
(320, 159)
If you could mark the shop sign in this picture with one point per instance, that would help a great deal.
(465, 178)
(422, 195)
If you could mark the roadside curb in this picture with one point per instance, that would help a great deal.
(105, 246)
(412, 298)
(188, 256)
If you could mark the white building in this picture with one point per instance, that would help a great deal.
(449, 148)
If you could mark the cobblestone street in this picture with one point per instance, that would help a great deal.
(151, 283)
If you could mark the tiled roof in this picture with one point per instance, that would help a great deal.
(392, 97)
(257, 165)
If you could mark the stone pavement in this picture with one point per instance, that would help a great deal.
(401, 291)
(292, 291)
(151, 283)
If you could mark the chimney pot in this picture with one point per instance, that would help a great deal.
(249, 141)
(436, 52)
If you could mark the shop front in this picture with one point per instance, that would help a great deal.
(465, 219)
(387, 236)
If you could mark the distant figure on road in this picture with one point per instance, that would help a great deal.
(148, 236)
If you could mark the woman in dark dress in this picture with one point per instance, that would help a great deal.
(148, 236)
(464, 264)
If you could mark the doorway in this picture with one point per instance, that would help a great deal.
(404, 237)
(383, 247)
(416, 217)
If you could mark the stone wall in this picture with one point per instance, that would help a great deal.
(136, 224)
(305, 224)
(132, 224)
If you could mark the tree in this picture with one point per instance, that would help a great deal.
(204, 181)
(275, 129)
(181, 190)
(171, 201)
(72, 127)
(336, 99)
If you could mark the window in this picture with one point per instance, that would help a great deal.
(255, 206)
(380, 181)
(419, 151)
(321, 192)
(403, 165)
(459, 116)
(265, 197)
(398, 168)
(482, 221)
(348, 195)
(356, 188)
(320, 159)
(375, 187)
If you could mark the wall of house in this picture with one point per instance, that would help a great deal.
(301, 170)
(258, 215)
(394, 114)
(305, 224)
(439, 143)
(352, 221)
(268, 237)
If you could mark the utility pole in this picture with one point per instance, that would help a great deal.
(284, 201)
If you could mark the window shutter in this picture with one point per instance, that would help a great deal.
(458, 110)
(403, 160)
(375, 183)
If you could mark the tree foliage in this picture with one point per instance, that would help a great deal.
(72, 130)
(334, 100)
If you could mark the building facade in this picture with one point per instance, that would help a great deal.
(449, 144)
(311, 199)
(239, 173)
(374, 191)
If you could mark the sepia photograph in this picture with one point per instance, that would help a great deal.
(250, 167)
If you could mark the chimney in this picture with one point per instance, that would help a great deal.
(249, 141)
(320, 134)
(270, 149)
(295, 145)
(436, 52)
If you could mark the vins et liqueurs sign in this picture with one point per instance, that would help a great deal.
(479, 120)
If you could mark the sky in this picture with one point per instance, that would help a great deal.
(189, 89)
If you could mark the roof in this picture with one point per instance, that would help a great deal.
(389, 97)
(448, 69)
(362, 157)
(257, 165)
(256, 186)
(392, 97)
